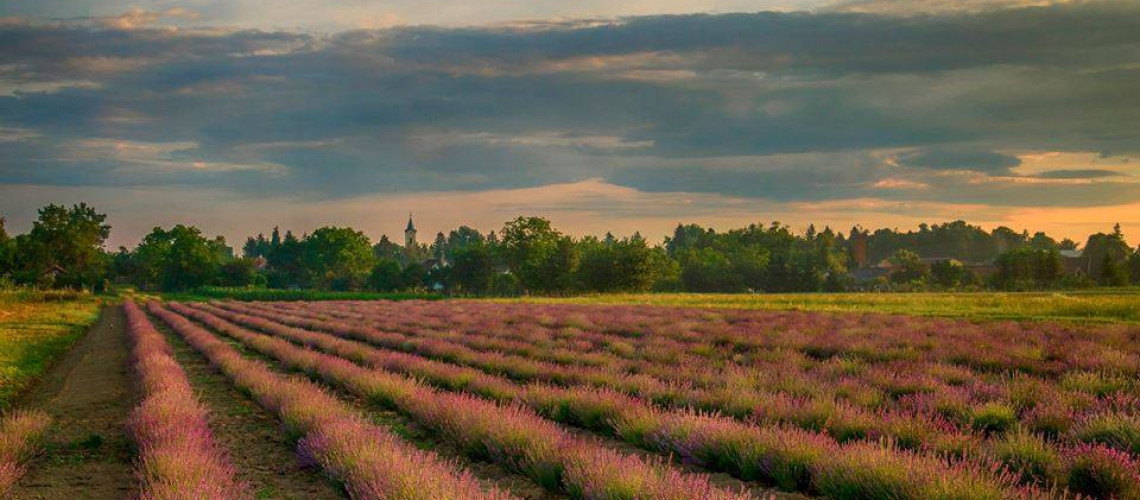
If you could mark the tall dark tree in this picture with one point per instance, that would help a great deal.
(256, 247)
(439, 249)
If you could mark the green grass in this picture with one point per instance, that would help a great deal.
(1114, 306)
(35, 329)
(266, 294)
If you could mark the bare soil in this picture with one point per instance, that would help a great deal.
(89, 395)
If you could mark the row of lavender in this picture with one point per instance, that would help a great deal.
(922, 416)
(509, 434)
(1011, 345)
(1098, 461)
(729, 363)
(178, 455)
(795, 460)
(371, 462)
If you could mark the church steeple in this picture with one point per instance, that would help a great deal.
(410, 235)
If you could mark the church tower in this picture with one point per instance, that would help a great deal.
(410, 235)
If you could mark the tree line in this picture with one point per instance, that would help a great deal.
(65, 249)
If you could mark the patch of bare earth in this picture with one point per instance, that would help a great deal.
(89, 395)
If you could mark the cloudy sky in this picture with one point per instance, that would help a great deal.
(601, 115)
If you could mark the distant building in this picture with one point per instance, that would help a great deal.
(1075, 263)
(410, 235)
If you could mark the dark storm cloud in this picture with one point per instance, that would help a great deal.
(1078, 174)
(950, 159)
(804, 105)
(808, 43)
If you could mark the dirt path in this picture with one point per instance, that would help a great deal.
(88, 394)
(257, 445)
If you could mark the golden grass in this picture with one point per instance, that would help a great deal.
(34, 330)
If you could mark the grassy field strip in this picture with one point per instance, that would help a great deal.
(792, 459)
(1109, 306)
(35, 329)
(509, 434)
(372, 463)
(178, 455)
(21, 435)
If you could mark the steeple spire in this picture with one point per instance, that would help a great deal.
(410, 234)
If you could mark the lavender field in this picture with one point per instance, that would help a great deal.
(834, 405)
(472, 399)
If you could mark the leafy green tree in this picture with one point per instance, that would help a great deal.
(337, 258)
(1134, 266)
(1027, 268)
(286, 266)
(1106, 256)
(907, 267)
(439, 249)
(1042, 241)
(414, 276)
(386, 276)
(179, 259)
(1113, 272)
(239, 272)
(464, 237)
(64, 247)
(947, 273)
(626, 265)
(7, 250)
(385, 249)
(706, 270)
(473, 268)
(543, 259)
